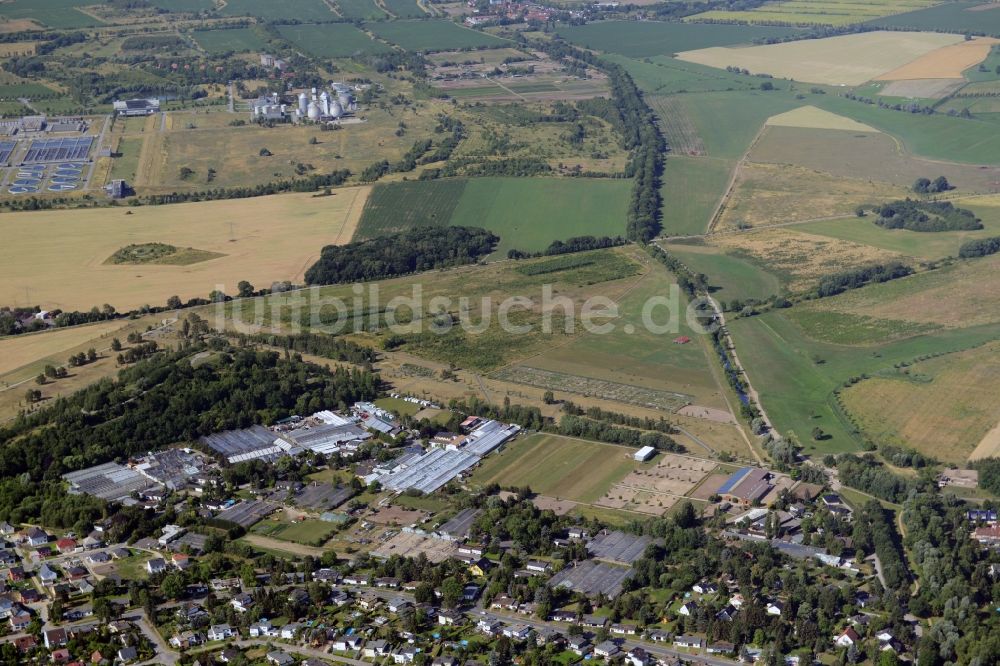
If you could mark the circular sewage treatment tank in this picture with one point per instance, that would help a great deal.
(22, 189)
(26, 182)
(69, 165)
(63, 181)
(61, 187)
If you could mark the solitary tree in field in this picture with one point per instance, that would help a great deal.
(245, 289)
(186, 172)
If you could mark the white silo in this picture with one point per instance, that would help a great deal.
(324, 103)
(345, 100)
(303, 103)
(336, 110)
(313, 111)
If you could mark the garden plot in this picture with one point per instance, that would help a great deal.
(599, 388)
(409, 544)
(655, 489)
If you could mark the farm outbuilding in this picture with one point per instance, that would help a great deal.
(644, 454)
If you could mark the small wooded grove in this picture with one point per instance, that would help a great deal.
(836, 283)
(926, 216)
(980, 247)
(410, 251)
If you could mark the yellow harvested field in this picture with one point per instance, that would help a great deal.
(945, 407)
(847, 60)
(814, 118)
(56, 258)
(947, 62)
(20, 350)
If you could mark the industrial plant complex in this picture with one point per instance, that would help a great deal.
(313, 106)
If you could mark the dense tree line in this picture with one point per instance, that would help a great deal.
(419, 249)
(926, 216)
(980, 247)
(576, 426)
(989, 474)
(574, 244)
(641, 422)
(868, 476)
(641, 133)
(901, 457)
(875, 532)
(854, 278)
(317, 344)
(308, 184)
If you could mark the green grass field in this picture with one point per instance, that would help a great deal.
(433, 35)
(664, 75)
(637, 39)
(527, 213)
(730, 277)
(331, 40)
(303, 10)
(937, 136)
(398, 405)
(728, 121)
(127, 165)
(53, 13)
(815, 12)
(307, 532)
(359, 9)
(796, 375)
(404, 9)
(234, 39)
(691, 189)
(558, 467)
(26, 89)
(636, 355)
(946, 17)
(924, 245)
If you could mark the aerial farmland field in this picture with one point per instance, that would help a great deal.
(538, 210)
(433, 35)
(331, 40)
(404, 9)
(52, 13)
(942, 407)
(359, 9)
(872, 156)
(68, 248)
(559, 467)
(813, 12)
(303, 10)
(964, 16)
(842, 60)
(234, 39)
(649, 38)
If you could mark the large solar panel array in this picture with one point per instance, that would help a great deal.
(55, 150)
